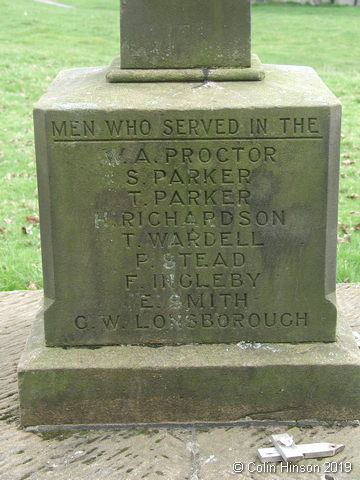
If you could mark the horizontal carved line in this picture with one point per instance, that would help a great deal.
(182, 139)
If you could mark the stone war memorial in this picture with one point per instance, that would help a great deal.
(188, 203)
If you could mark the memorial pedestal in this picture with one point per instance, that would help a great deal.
(178, 213)
(179, 222)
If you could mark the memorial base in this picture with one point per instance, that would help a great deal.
(191, 383)
(116, 74)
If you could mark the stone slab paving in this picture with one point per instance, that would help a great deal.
(181, 453)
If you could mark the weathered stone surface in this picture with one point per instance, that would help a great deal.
(185, 34)
(132, 453)
(190, 383)
(220, 448)
(182, 213)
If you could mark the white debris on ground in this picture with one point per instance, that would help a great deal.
(285, 449)
(255, 346)
(357, 338)
(211, 459)
(248, 345)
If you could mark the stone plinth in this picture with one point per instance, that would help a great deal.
(190, 383)
(186, 213)
(209, 452)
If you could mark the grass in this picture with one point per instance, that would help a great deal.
(327, 38)
(38, 40)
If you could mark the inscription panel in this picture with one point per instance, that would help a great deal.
(189, 228)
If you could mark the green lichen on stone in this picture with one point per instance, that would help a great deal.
(176, 213)
(185, 34)
(199, 383)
